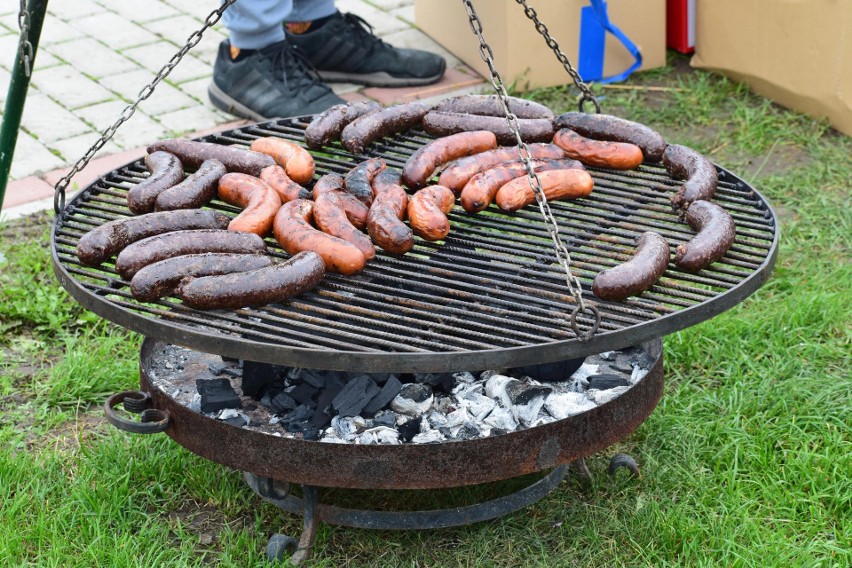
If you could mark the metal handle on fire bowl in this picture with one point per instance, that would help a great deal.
(151, 420)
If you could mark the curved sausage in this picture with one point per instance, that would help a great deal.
(193, 154)
(163, 278)
(330, 217)
(446, 123)
(716, 232)
(491, 105)
(166, 171)
(287, 189)
(359, 180)
(329, 182)
(193, 192)
(368, 128)
(295, 234)
(633, 277)
(457, 174)
(259, 287)
(99, 244)
(616, 129)
(258, 201)
(600, 153)
(557, 184)
(423, 163)
(684, 163)
(296, 161)
(160, 247)
(327, 126)
(384, 222)
(427, 212)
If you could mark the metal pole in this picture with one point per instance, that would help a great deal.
(17, 94)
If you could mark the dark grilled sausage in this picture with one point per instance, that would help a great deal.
(557, 184)
(600, 153)
(163, 278)
(330, 217)
(716, 232)
(193, 192)
(193, 154)
(160, 247)
(359, 180)
(633, 277)
(166, 171)
(326, 127)
(258, 201)
(293, 231)
(616, 129)
(423, 163)
(287, 189)
(368, 128)
(256, 288)
(427, 212)
(490, 105)
(384, 222)
(99, 244)
(296, 161)
(684, 163)
(446, 123)
(457, 174)
(329, 182)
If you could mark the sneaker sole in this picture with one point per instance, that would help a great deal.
(378, 79)
(227, 104)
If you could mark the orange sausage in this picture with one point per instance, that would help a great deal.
(423, 163)
(287, 189)
(328, 182)
(557, 184)
(296, 161)
(330, 217)
(258, 200)
(459, 172)
(384, 222)
(603, 154)
(427, 212)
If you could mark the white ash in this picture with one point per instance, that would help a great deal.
(564, 404)
(604, 396)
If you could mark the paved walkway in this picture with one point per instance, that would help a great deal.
(96, 55)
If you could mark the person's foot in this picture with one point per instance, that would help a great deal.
(344, 49)
(267, 83)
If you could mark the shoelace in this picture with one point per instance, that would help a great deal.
(363, 31)
(293, 65)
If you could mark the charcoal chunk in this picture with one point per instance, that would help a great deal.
(438, 381)
(642, 359)
(549, 372)
(407, 430)
(357, 393)
(320, 379)
(324, 411)
(216, 394)
(522, 393)
(385, 419)
(305, 394)
(606, 382)
(256, 377)
(282, 403)
(468, 431)
(381, 378)
(297, 420)
(390, 389)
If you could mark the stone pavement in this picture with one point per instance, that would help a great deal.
(95, 56)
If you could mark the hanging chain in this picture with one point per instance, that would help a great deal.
(562, 255)
(147, 91)
(26, 46)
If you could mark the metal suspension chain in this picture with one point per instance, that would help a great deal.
(562, 255)
(26, 47)
(147, 91)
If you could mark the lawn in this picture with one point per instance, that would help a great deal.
(747, 461)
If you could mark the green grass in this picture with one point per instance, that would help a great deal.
(746, 461)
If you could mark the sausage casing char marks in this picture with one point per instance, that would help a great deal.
(368, 128)
(178, 243)
(616, 129)
(359, 180)
(633, 277)
(387, 212)
(446, 123)
(490, 105)
(457, 174)
(287, 189)
(716, 233)
(258, 201)
(684, 163)
(275, 283)
(164, 277)
(99, 244)
(423, 163)
(556, 184)
(600, 153)
(330, 216)
(296, 161)
(166, 171)
(293, 231)
(195, 191)
(193, 154)
(327, 126)
(329, 182)
(428, 210)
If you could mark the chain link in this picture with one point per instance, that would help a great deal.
(26, 46)
(147, 91)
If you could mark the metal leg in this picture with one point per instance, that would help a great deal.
(281, 545)
(581, 471)
(625, 461)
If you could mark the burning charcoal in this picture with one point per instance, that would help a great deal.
(498, 432)
(436, 419)
(428, 437)
(329, 435)
(233, 417)
(385, 418)
(390, 389)
(564, 404)
(379, 435)
(465, 390)
(604, 396)
(413, 399)
(468, 431)
(297, 420)
(527, 413)
(641, 359)
(348, 427)
(282, 403)
(478, 405)
(357, 393)
(495, 388)
(501, 418)
(522, 393)
(324, 411)
(216, 394)
(305, 394)
(256, 377)
(637, 375)
(549, 372)
(465, 377)
(606, 382)
(485, 375)
(195, 404)
(607, 355)
(217, 367)
(407, 430)
(440, 381)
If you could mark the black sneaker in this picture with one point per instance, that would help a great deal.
(275, 81)
(344, 49)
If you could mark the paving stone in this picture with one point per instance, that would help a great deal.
(155, 55)
(187, 120)
(154, 10)
(128, 85)
(5, 79)
(92, 57)
(141, 130)
(56, 31)
(101, 115)
(388, 5)
(48, 121)
(95, 169)
(44, 60)
(8, 51)
(71, 9)
(24, 190)
(72, 149)
(415, 39)
(178, 28)
(405, 13)
(69, 87)
(114, 30)
(8, 23)
(31, 157)
(198, 8)
(452, 80)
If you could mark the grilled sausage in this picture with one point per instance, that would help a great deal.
(716, 232)
(368, 128)
(99, 244)
(359, 180)
(329, 182)
(163, 278)
(193, 192)
(258, 201)
(457, 174)
(490, 105)
(193, 154)
(287, 189)
(384, 222)
(684, 163)
(166, 171)
(423, 163)
(326, 127)
(293, 231)
(259, 287)
(633, 277)
(616, 129)
(600, 153)
(330, 217)
(427, 212)
(160, 247)
(296, 161)
(557, 184)
(446, 123)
